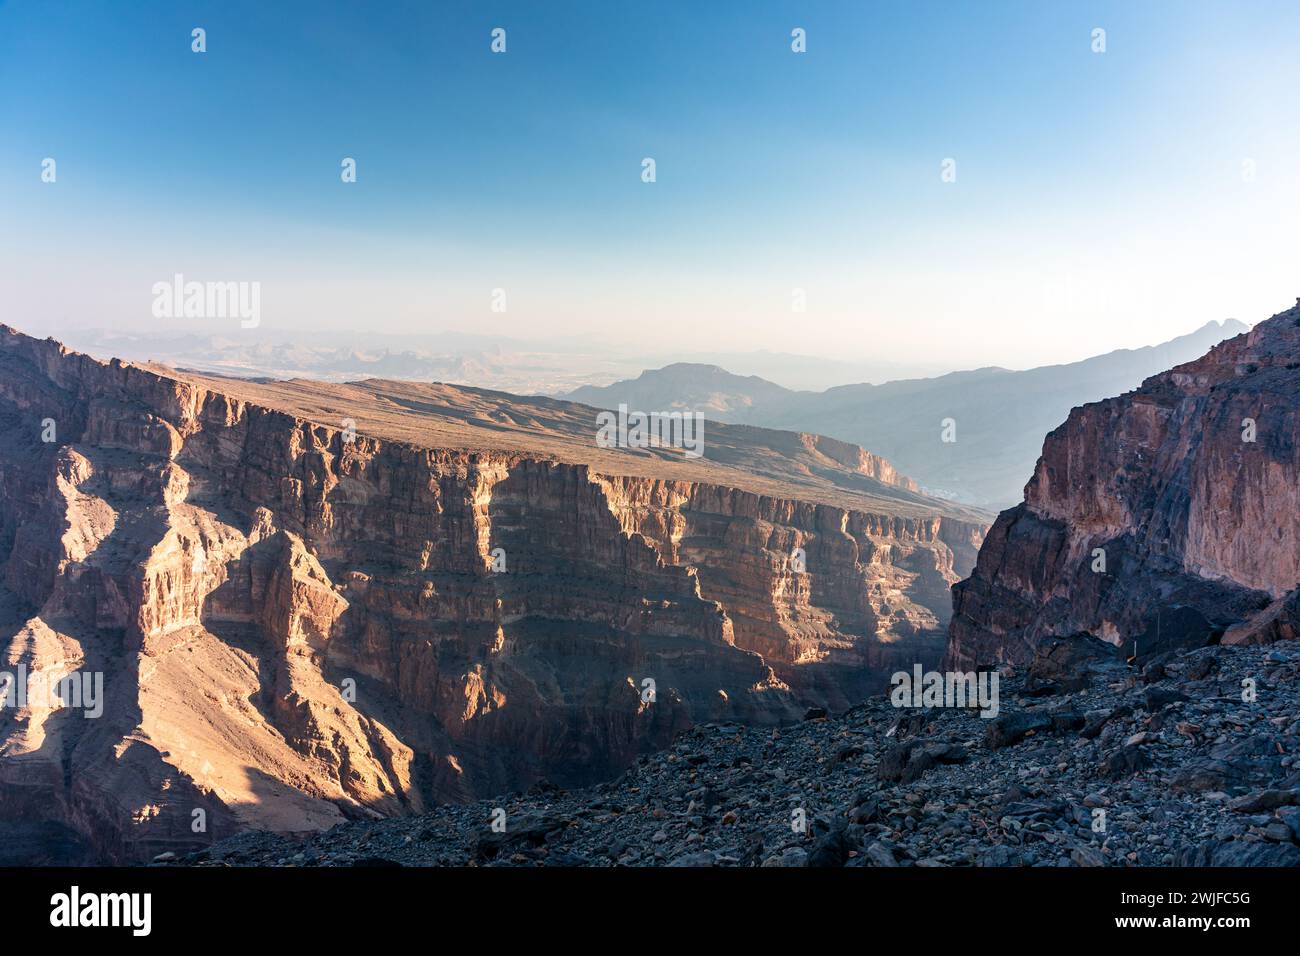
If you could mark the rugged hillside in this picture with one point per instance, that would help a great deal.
(1169, 767)
(313, 602)
(1188, 487)
(1001, 416)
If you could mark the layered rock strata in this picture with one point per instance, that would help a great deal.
(298, 623)
(1166, 517)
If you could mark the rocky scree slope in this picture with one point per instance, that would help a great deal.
(1090, 762)
(298, 626)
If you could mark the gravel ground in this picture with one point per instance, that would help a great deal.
(1088, 763)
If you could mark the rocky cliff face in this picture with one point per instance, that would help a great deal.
(1169, 516)
(296, 624)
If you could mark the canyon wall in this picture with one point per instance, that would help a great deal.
(297, 625)
(1166, 517)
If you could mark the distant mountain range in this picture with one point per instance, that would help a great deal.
(999, 416)
(523, 366)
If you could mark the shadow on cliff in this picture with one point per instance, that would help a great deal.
(103, 760)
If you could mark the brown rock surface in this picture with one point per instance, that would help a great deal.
(296, 626)
(1200, 528)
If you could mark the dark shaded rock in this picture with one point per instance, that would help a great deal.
(1123, 762)
(1201, 667)
(566, 859)
(908, 761)
(848, 752)
(1013, 794)
(710, 798)
(1154, 672)
(1068, 664)
(1243, 762)
(866, 812)
(1157, 698)
(1098, 719)
(1280, 621)
(880, 855)
(1239, 853)
(1087, 856)
(526, 831)
(832, 848)
(1291, 817)
(999, 856)
(1265, 800)
(1203, 775)
(912, 723)
(1065, 721)
(1036, 810)
(815, 713)
(1174, 628)
(1277, 831)
(1009, 729)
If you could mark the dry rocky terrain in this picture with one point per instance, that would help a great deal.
(1090, 762)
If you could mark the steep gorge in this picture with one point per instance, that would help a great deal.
(299, 623)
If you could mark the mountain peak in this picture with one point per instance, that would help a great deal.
(1197, 499)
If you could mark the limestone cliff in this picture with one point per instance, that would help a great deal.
(404, 594)
(1167, 516)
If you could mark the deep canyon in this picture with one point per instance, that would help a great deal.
(314, 603)
(317, 603)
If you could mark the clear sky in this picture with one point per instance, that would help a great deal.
(1101, 200)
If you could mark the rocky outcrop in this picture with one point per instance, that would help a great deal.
(1166, 517)
(298, 624)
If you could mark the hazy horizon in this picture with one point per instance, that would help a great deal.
(527, 367)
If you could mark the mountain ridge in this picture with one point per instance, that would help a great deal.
(1169, 515)
(1000, 415)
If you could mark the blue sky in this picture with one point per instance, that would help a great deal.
(1100, 200)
